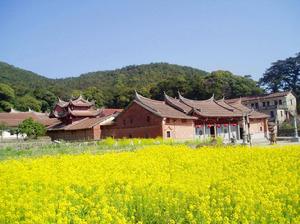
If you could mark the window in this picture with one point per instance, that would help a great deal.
(261, 128)
(264, 104)
(148, 119)
(272, 113)
(275, 102)
(281, 113)
(168, 134)
(268, 103)
(291, 102)
(280, 102)
(252, 105)
(256, 105)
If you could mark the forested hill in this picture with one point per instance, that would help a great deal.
(23, 89)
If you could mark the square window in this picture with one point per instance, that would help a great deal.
(168, 134)
(280, 102)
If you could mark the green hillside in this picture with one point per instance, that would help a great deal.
(23, 89)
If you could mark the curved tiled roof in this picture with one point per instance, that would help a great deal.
(160, 108)
(261, 97)
(84, 113)
(209, 108)
(14, 118)
(239, 106)
(177, 104)
(85, 123)
(81, 102)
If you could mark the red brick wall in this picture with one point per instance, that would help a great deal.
(78, 135)
(179, 129)
(97, 132)
(135, 122)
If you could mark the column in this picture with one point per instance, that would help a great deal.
(204, 134)
(215, 127)
(229, 131)
(238, 132)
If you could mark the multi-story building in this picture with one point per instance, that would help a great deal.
(280, 106)
(79, 119)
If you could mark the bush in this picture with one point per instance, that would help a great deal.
(31, 128)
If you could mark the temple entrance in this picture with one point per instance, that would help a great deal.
(212, 131)
(241, 132)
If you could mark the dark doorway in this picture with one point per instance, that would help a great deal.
(212, 131)
(241, 133)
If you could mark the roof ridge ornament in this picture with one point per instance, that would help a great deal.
(12, 110)
(136, 95)
(179, 95)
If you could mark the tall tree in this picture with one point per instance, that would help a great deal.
(7, 95)
(283, 75)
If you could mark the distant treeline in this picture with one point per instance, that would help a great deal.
(23, 89)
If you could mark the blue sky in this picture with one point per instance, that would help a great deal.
(66, 38)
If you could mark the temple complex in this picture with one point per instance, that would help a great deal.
(79, 120)
(184, 118)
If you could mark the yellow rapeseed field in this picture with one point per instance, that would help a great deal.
(158, 184)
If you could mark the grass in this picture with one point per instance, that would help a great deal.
(97, 147)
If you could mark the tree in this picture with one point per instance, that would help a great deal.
(7, 95)
(28, 102)
(283, 75)
(31, 128)
(46, 98)
(93, 93)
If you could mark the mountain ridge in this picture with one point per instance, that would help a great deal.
(115, 88)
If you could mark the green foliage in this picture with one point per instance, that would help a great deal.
(6, 92)
(5, 106)
(7, 95)
(283, 75)
(28, 102)
(116, 88)
(31, 128)
(47, 98)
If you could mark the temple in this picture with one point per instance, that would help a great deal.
(79, 120)
(184, 118)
